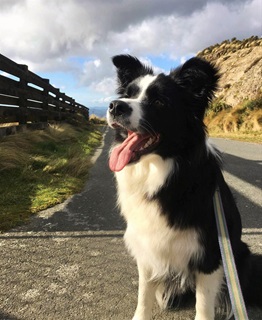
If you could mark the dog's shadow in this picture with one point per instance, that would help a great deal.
(247, 172)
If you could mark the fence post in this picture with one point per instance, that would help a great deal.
(22, 117)
(73, 105)
(46, 107)
(57, 98)
(45, 93)
(63, 106)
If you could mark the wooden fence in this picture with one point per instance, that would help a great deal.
(27, 98)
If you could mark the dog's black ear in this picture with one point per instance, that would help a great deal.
(128, 69)
(199, 79)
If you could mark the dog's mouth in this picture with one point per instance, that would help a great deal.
(131, 149)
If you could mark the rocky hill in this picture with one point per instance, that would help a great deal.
(240, 64)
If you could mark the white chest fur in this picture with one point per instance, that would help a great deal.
(148, 236)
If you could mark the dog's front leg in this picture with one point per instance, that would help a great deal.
(207, 289)
(146, 294)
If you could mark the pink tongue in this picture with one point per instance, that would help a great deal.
(121, 155)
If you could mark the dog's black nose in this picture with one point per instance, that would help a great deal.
(118, 108)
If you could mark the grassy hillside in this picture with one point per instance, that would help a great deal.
(39, 169)
(236, 111)
(243, 122)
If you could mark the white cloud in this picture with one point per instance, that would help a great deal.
(45, 30)
(217, 22)
(104, 100)
(45, 34)
(106, 86)
(95, 70)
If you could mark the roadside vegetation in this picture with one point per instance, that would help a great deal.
(243, 122)
(97, 120)
(39, 169)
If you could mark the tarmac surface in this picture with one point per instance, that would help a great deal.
(70, 262)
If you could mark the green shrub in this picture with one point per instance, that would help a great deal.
(96, 120)
(218, 105)
(253, 104)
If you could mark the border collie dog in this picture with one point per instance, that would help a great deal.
(167, 173)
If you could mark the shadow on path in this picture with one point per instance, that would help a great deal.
(248, 195)
(247, 170)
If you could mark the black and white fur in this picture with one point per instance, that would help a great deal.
(165, 193)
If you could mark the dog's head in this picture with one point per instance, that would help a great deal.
(158, 113)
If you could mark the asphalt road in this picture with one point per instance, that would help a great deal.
(70, 262)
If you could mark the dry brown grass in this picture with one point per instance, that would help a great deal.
(97, 120)
(3, 125)
(238, 123)
(16, 149)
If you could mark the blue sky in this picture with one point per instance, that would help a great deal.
(71, 42)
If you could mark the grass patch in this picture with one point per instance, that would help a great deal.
(39, 169)
(244, 122)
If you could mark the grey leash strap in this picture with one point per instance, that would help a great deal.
(236, 297)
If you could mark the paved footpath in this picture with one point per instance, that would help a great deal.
(70, 262)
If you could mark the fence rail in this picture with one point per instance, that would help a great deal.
(27, 98)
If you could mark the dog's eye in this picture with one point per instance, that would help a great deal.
(128, 94)
(159, 103)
